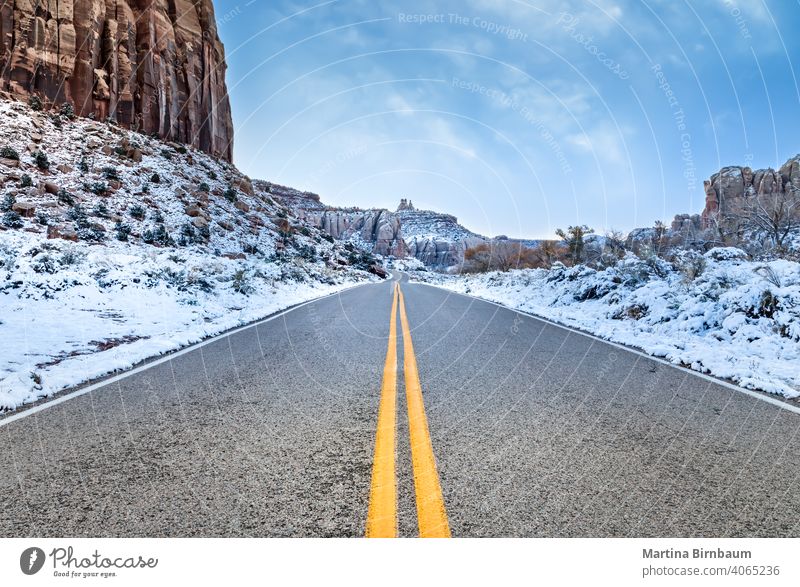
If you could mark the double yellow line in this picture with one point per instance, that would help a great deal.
(382, 515)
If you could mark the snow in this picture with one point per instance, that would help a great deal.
(717, 313)
(146, 302)
(71, 312)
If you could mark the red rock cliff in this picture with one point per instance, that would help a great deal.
(157, 66)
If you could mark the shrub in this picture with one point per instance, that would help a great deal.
(42, 218)
(9, 153)
(204, 187)
(8, 203)
(633, 312)
(83, 165)
(230, 194)
(241, 282)
(111, 173)
(122, 231)
(155, 178)
(137, 212)
(25, 181)
(212, 175)
(12, 220)
(41, 160)
(308, 253)
(44, 264)
(158, 217)
(64, 197)
(691, 265)
(87, 232)
(770, 275)
(8, 258)
(189, 235)
(35, 102)
(768, 304)
(67, 111)
(71, 256)
(56, 120)
(181, 149)
(100, 210)
(76, 213)
(166, 154)
(99, 188)
(157, 236)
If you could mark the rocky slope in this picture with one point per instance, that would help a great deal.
(115, 246)
(157, 66)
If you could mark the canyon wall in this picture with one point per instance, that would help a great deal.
(157, 66)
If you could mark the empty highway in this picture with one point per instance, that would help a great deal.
(403, 410)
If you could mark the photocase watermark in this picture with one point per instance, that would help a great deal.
(67, 564)
(526, 113)
(341, 158)
(679, 117)
(569, 23)
(31, 560)
(739, 19)
(455, 19)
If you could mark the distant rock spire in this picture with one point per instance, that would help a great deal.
(405, 205)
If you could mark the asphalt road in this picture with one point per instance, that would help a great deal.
(536, 431)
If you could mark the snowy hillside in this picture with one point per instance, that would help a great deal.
(115, 247)
(715, 313)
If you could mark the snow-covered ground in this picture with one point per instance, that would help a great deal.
(120, 247)
(715, 313)
(106, 310)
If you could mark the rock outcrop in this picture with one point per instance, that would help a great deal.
(728, 190)
(378, 229)
(157, 66)
(436, 239)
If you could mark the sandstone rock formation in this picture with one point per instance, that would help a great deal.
(728, 190)
(157, 66)
(436, 239)
(379, 229)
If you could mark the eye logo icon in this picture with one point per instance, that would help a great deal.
(32, 560)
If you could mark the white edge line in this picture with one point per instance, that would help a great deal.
(166, 358)
(758, 395)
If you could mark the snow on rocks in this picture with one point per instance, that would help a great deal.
(115, 247)
(715, 313)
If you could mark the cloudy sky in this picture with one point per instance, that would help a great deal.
(517, 116)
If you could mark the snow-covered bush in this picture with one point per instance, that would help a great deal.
(715, 312)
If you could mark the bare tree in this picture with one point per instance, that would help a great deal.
(775, 215)
(508, 255)
(545, 254)
(613, 247)
(498, 256)
(477, 259)
(659, 237)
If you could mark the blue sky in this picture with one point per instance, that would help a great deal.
(518, 117)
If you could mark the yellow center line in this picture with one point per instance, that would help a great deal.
(382, 516)
(431, 513)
